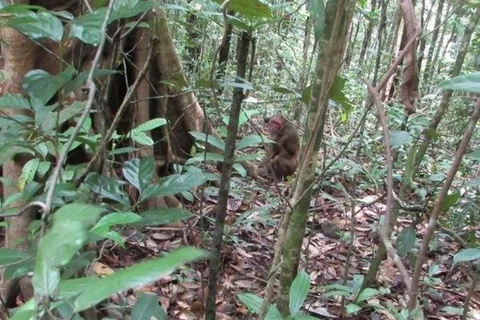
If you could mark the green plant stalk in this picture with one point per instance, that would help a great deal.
(331, 50)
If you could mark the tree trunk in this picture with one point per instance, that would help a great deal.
(433, 43)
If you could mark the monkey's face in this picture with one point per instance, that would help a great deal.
(275, 125)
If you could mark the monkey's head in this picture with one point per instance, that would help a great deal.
(275, 125)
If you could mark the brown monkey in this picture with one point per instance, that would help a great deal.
(282, 157)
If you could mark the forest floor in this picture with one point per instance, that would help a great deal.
(327, 250)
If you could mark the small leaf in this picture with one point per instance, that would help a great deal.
(175, 183)
(115, 218)
(450, 200)
(28, 172)
(406, 241)
(298, 291)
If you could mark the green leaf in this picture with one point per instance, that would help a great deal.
(352, 308)
(317, 13)
(107, 187)
(214, 141)
(163, 216)
(87, 27)
(284, 89)
(250, 9)
(474, 155)
(450, 200)
(299, 291)
(114, 218)
(28, 172)
(147, 307)
(467, 82)
(175, 183)
(399, 138)
(406, 241)
(150, 125)
(139, 172)
(11, 256)
(254, 303)
(142, 138)
(466, 255)
(43, 86)
(67, 235)
(209, 156)
(249, 141)
(26, 311)
(37, 25)
(366, 294)
(128, 8)
(14, 101)
(93, 292)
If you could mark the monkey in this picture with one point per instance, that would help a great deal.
(282, 156)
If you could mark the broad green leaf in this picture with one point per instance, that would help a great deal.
(214, 141)
(240, 169)
(137, 275)
(43, 86)
(254, 303)
(406, 241)
(317, 13)
(150, 125)
(139, 172)
(466, 255)
(474, 155)
(107, 187)
(130, 8)
(209, 156)
(175, 183)
(249, 156)
(87, 27)
(28, 172)
(352, 308)
(147, 307)
(249, 141)
(142, 138)
(250, 9)
(467, 82)
(163, 216)
(38, 25)
(399, 138)
(14, 101)
(67, 235)
(366, 294)
(298, 291)
(115, 218)
(11, 256)
(450, 200)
